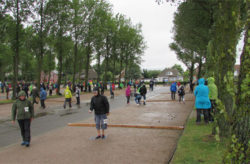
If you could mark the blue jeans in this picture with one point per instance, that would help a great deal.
(99, 121)
(144, 97)
(138, 99)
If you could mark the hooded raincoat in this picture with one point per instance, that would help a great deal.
(43, 94)
(67, 93)
(201, 96)
(213, 91)
(22, 109)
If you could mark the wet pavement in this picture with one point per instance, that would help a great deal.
(55, 116)
(55, 142)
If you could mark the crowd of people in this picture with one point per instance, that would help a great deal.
(23, 109)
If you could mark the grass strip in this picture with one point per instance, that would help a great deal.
(197, 145)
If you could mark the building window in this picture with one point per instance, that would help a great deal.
(169, 73)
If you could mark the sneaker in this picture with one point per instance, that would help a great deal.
(97, 137)
(23, 143)
(27, 144)
(103, 137)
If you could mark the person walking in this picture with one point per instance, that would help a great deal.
(202, 102)
(111, 88)
(35, 95)
(173, 89)
(30, 89)
(143, 92)
(50, 89)
(128, 93)
(102, 88)
(151, 84)
(2, 87)
(26, 89)
(213, 95)
(43, 96)
(68, 96)
(23, 112)
(138, 96)
(181, 93)
(7, 91)
(78, 91)
(178, 84)
(100, 105)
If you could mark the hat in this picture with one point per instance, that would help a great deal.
(21, 93)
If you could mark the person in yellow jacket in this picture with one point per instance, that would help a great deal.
(68, 96)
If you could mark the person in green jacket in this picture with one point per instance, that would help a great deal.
(68, 96)
(213, 95)
(23, 112)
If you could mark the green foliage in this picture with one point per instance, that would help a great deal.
(179, 68)
(219, 25)
(197, 145)
(237, 153)
(150, 73)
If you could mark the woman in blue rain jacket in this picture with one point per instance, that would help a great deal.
(202, 102)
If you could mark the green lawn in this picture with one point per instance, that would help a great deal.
(6, 101)
(197, 145)
(12, 101)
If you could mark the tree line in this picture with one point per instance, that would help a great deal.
(67, 35)
(206, 34)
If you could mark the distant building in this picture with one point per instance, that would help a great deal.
(92, 75)
(53, 76)
(169, 75)
(122, 76)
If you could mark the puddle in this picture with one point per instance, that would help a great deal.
(67, 113)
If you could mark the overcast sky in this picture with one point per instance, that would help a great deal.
(157, 24)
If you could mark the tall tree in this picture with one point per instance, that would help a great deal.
(40, 27)
(20, 10)
(58, 16)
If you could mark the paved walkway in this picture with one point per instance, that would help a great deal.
(123, 145)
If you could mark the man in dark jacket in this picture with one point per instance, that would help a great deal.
(143, 92)
(100, 104)
(23, 111)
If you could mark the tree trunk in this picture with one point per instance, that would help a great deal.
(225, 57)
(75, 49)
(106, 60)
(199, 67)
(40, 56)
(98, 66)
(75, 62)
(191, 70)
(120, 75)
(60, 62)
(87, 66)
(49, 76)
(241, 115)
(16, 56)
(126, 69)
(114, 70)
